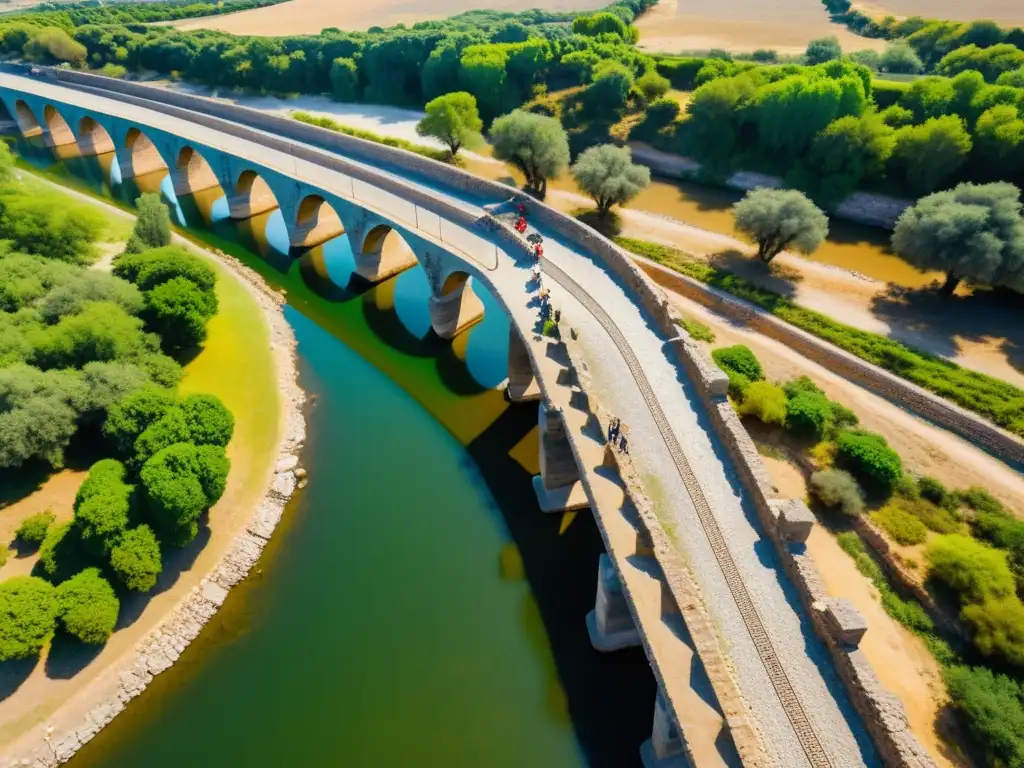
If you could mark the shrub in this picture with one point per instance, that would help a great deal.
(150, 269)
(171, 428)
(28, 610)
(902, 526)
(935, 518)
(993, 706)
(652, 86)
(997, 628)
(980, 500)
(973, 570)
(698, 331)
(869, 459)
(152, 224)
(738, 384)
(60, 554)
(178, 311)
(102, 507)
(132, 415)
(87, 607)
(739, 359)
(836, 488)
(181, 482)
(135, 559)
(823, 454)
(208, 420)
(34, 527)
(801, 385)
(764, 400)
(809, 415)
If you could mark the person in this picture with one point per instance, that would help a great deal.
(622, 444)
(535, 272)
(521, 225)
(522, 209)
(538, 250)
(558, 315)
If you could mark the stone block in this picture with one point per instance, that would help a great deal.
(795, 520)
(845, 622)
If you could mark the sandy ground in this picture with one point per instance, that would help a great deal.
(785, 26)
(925, 448)
(1004, 11)
(303, 17)
(66, 682)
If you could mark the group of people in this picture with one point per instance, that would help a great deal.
(616, 436)
(536, 239)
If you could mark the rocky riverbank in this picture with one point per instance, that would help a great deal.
(57, 739)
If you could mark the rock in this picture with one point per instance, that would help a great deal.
(300, 473)
(286, 463)
(283, 486)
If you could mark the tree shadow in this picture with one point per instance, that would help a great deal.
(771, 277)
(13, 674)
(16, 484)
(68, 656)
(609, 224)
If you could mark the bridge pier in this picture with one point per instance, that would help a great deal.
(522, 383)
(610, 625)
(453, 312)
(558, 485)
(665, 748)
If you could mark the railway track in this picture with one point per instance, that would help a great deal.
(791, 704)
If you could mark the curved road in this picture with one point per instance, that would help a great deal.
(783, 671)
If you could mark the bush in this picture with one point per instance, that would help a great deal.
(764, 400)
(738, 384)
(980, 500)
(170, 429)
(652, 86)
(49, 226)
(698, 331)
(997, 628)
(33, 528)
(739, 359)
(993, 706)
(836, 488)
(902, 526)
(869, 459)
(181, 482)
(208, 419)
(973, 570)
(135, 559)
(152, 224)
(60, 554)
(809, 415)
(132, 415)
(87, 607)
(28, 610)
(150, 269)
(102, 507)
(801, 385)
(178, 311)
(932, 490)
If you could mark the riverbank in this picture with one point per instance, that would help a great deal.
(48, 716)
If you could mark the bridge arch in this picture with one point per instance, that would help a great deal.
(316, 222)
(93, 138)
(60, 132)
(384, 253)
(192, 173)
(139, 156)
(26, 119)
(454, 306)
(251, 196)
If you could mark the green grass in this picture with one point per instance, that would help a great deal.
(697, 330)
(996, 400)
(333, 125)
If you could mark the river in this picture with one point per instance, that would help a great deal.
(414, 607)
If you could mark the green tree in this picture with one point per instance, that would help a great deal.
(100, 332)
(150, 269)
(868, 457)
(1014, 78)
(601, 23)
(929, 97)
(28, 612)
(453, 119)
(715, 110)
(178, 310)
(135, 559)
(344, 79)
(608, 175)
(809, 415)
(973, 231)
(900, 57)
(823, 49)
(999, 143)
(70, 298)
(208, 419)
(87, 607)
(929, 154)
(739, 359)
(50, 226)
(652, 86)
(33, 528)
(992, 61)
(609, 91)
(132, 415)
(51, 45)
(896, 116)
(171, 428)
(38, 414)
(102, 507)
(836, 488)
(180, 483)
(973, 570)
(993, 707)
(61, 554)
(537, 145)
(764, 400)
(152, 224)
(997, 628)
(851, 150)
(483, 73)
(777, 219)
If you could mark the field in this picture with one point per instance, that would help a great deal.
(310, 16)
(1005, 11)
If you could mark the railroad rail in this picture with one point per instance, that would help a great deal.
(791, 704)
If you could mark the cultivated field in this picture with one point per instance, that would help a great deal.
(1005, 11)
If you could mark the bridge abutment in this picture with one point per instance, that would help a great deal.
(558, 486)
(665, 748)
(610, 625)
(522, 383)
(453, 312)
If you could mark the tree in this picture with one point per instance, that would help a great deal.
(52, 45)
(975, 571)
(652, 86)
(1014, 78)
(601, 23)
(999, 142)
(823, 49)
(483, 72)
(150, 269)
(100, 332)
(973, 231)
(868, 57)
(132, 415)
(836, 488)
(850, 150)
(740, 359)
(38, 414)
(900, 57)
(764, 400)
(28, 611)
(997, 628)
(777, 219)
(87, 607)
(930, 153)
(537, 145)
(608, 175)
(102, 507)
(609, 91)
(70, 298)
(171, 428)
(178, 310)
(715, 109)
(33, 528)
(992, 61)
(208, 419)
(180, 483)
(135, 559)
(344, 79)
(809, 415)
(50, 226)
(152, 224)
(993, 706)
(61, 554)
(868, 457)
(453, 119)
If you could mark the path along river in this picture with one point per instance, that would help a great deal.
(415, 607)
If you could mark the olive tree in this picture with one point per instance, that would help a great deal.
(452, 119)
(973, 231)
(777, 219)
(536, 144)
(608, 174)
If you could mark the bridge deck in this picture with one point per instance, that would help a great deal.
(706, 518)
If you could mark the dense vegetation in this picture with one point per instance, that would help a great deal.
(89, 362)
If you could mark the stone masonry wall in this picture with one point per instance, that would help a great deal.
(882, 712)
